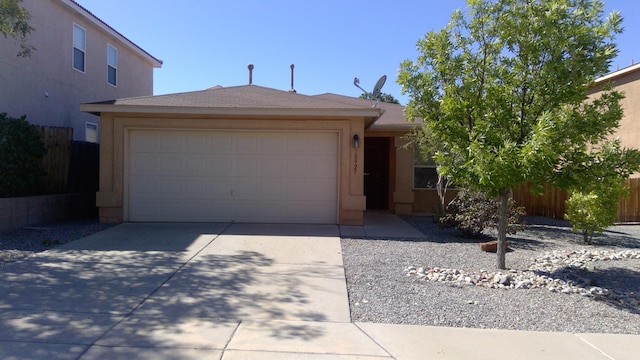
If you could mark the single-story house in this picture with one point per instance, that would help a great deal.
(255, 154)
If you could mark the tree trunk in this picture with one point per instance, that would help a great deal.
(505, 195)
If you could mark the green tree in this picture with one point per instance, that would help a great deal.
(388, 98)
(14, 22)
(501, 89)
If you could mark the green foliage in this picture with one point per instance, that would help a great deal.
(21, 153)
(591, 213)
(472, 212)
(598, 186)
(388, 98)
(502, 91)
(14, 22)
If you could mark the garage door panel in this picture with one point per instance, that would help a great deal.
(322, 168)
(143, 164)
(273, 189)
(143, 141)
(219, 165)
(272, 144)
(195, 187)
(142, 185)
(197, 143)
(219, 188)
(170, 142)
(247, 188)
(196, 165)
(246, 144)
(169, 164)
(220, 143)
(246, 165)
(232, 176)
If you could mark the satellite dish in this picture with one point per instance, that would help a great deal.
(376, 89)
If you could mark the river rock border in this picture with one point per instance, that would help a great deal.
(558, 271)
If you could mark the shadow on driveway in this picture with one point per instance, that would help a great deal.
(162, 285)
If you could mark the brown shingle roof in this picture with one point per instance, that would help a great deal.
(239, 100)
(245, 96)
(393, 117)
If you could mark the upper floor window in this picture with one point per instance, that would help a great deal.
(79, 48)
(112, 65)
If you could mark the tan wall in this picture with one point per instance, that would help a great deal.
(25, 81)
(403, 198)
(629, 131)
(111, 198)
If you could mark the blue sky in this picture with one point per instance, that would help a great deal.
(210, 42)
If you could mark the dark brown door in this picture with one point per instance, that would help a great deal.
(376, 172)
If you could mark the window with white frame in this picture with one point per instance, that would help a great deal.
(79, 48)
(112, 65)
(91, 132)
(425, 173)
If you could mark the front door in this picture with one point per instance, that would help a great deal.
(376, 172)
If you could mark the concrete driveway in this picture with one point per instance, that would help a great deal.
(232, 291)
(176, 290)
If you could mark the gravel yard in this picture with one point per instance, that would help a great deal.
(20, 243)
(437, 280)
(384, 284)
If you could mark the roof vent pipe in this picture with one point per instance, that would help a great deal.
(292, 90)
(250, 67)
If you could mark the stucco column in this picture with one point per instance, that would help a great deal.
(403, 196)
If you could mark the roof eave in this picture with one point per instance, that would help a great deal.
(618, 73)
(98, 108)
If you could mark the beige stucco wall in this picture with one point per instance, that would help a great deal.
(629, 130)
(47, 89)
(111, 198)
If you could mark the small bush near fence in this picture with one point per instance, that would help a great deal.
(21, 153)
(39, 160)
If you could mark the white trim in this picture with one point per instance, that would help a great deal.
(97, 129)
(618, 73)
(73, 48)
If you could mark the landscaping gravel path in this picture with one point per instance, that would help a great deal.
(382, 289)
(20, 243)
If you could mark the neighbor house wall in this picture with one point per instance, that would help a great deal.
(626, 81)
(46, 88)
(111, 198)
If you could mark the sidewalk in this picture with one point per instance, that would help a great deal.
(233, 291)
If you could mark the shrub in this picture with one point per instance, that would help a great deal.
(21, 153)
(592, 212)
(472, 212)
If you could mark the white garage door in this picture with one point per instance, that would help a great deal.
(195, 176)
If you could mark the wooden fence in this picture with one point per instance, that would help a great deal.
(57, 141)
(69, 166)
(552, 202)
(629, 208)
(549, 204)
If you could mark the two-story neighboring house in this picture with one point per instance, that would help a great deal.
(78, 59)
